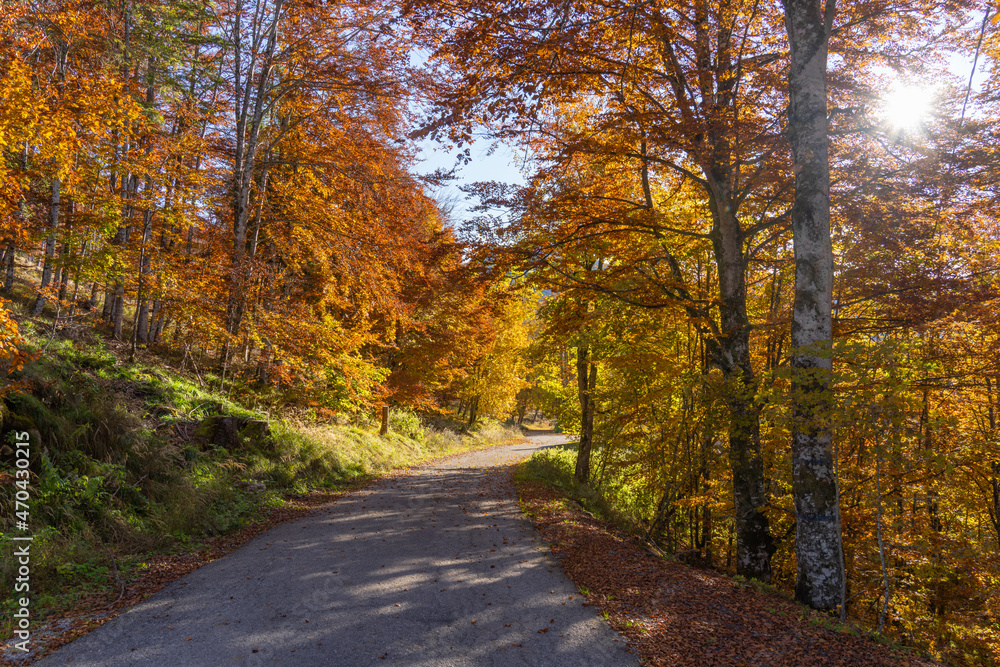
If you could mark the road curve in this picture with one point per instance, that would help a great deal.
(435, 566)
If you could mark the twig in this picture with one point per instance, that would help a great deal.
(196, 371)
(200, 405)
(55, 324)
(975, 61)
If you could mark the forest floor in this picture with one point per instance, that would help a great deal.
(679, 615)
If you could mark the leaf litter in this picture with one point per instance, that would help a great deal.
(677, 615)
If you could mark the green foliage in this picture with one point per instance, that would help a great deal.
(406, 422)
(553, 465)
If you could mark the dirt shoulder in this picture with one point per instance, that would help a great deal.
(678, 615)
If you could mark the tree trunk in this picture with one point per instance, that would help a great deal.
(818, 534)
(23, 214)
(64, 272)
(586, 375)
(995, 513)
(140, 301)
(118, 308)
(140, 334)
(250, 119)
(155, 314)
(142, 321)
(706, 511)
(732, 354)
(76, 281)
(155, 337)
(92, 301)
(473, 409)
(878, 535)
(50, 247)
(991, 414)
(8, 283)
(109, 300)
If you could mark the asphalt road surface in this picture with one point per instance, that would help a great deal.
(431, 567)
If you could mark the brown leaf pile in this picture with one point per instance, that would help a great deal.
(678, 615)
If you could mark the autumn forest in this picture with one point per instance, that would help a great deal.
(753, 259)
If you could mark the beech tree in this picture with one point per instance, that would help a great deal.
(818, 548)
(236, 173)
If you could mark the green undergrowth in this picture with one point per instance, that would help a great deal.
(121, 470)
(554, 467)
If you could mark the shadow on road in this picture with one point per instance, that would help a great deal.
(432, 567)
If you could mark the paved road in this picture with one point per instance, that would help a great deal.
(432, 567)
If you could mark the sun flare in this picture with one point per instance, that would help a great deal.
(908, 105)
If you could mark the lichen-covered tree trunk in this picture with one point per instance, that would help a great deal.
(819, 581)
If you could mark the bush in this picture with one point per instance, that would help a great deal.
(406, 423)
(554, 465)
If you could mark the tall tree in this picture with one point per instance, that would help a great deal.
(818, 549)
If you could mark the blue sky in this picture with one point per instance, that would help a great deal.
(501, 165)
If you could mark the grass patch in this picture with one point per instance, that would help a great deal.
(555, 466)
(552, 466)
